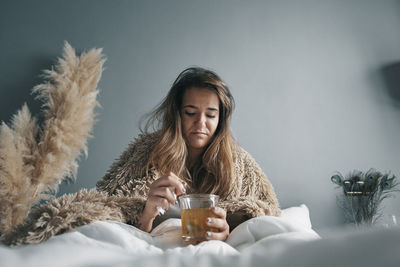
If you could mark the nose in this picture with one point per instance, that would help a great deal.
(201, 119)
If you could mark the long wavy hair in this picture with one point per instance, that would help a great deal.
(213, 172)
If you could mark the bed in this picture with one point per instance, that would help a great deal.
(288, 240)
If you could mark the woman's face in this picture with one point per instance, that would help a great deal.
(200, 116)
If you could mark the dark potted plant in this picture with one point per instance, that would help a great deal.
(363, 194)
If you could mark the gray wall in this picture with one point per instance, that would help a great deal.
(316, 82)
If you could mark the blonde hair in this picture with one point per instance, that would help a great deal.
(213, 173)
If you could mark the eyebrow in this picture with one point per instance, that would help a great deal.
(192, 106)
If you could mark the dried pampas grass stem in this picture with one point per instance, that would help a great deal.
(34, 160)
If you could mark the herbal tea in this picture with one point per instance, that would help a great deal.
(194, 225)
(195, 209)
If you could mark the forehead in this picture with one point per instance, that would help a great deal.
(200, 97)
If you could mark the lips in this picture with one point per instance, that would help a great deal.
(199, 133)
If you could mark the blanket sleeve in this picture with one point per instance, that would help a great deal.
(68, 212)
(127, 177)
(256, 196)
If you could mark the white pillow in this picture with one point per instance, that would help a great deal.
(300, 215)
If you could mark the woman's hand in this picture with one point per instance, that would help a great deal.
(219, 223)
(163, 192)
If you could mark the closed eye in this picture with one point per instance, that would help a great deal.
(190, 114)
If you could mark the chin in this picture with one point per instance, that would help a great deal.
(198, 145)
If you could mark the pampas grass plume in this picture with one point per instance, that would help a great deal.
(35, 160)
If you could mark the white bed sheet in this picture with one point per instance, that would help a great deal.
(264, 241)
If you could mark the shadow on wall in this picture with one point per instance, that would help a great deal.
(17, 89)
(391, 77)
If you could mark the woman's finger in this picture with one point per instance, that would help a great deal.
(164, 192)
(219, 212)
(171, 180)
(217, 236)
(219, 224)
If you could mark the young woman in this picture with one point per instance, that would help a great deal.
(191, 150)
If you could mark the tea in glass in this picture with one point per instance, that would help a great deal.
(195, 209)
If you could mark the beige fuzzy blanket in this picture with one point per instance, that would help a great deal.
(122, 194)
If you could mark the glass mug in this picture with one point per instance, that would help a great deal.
(195, 209)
